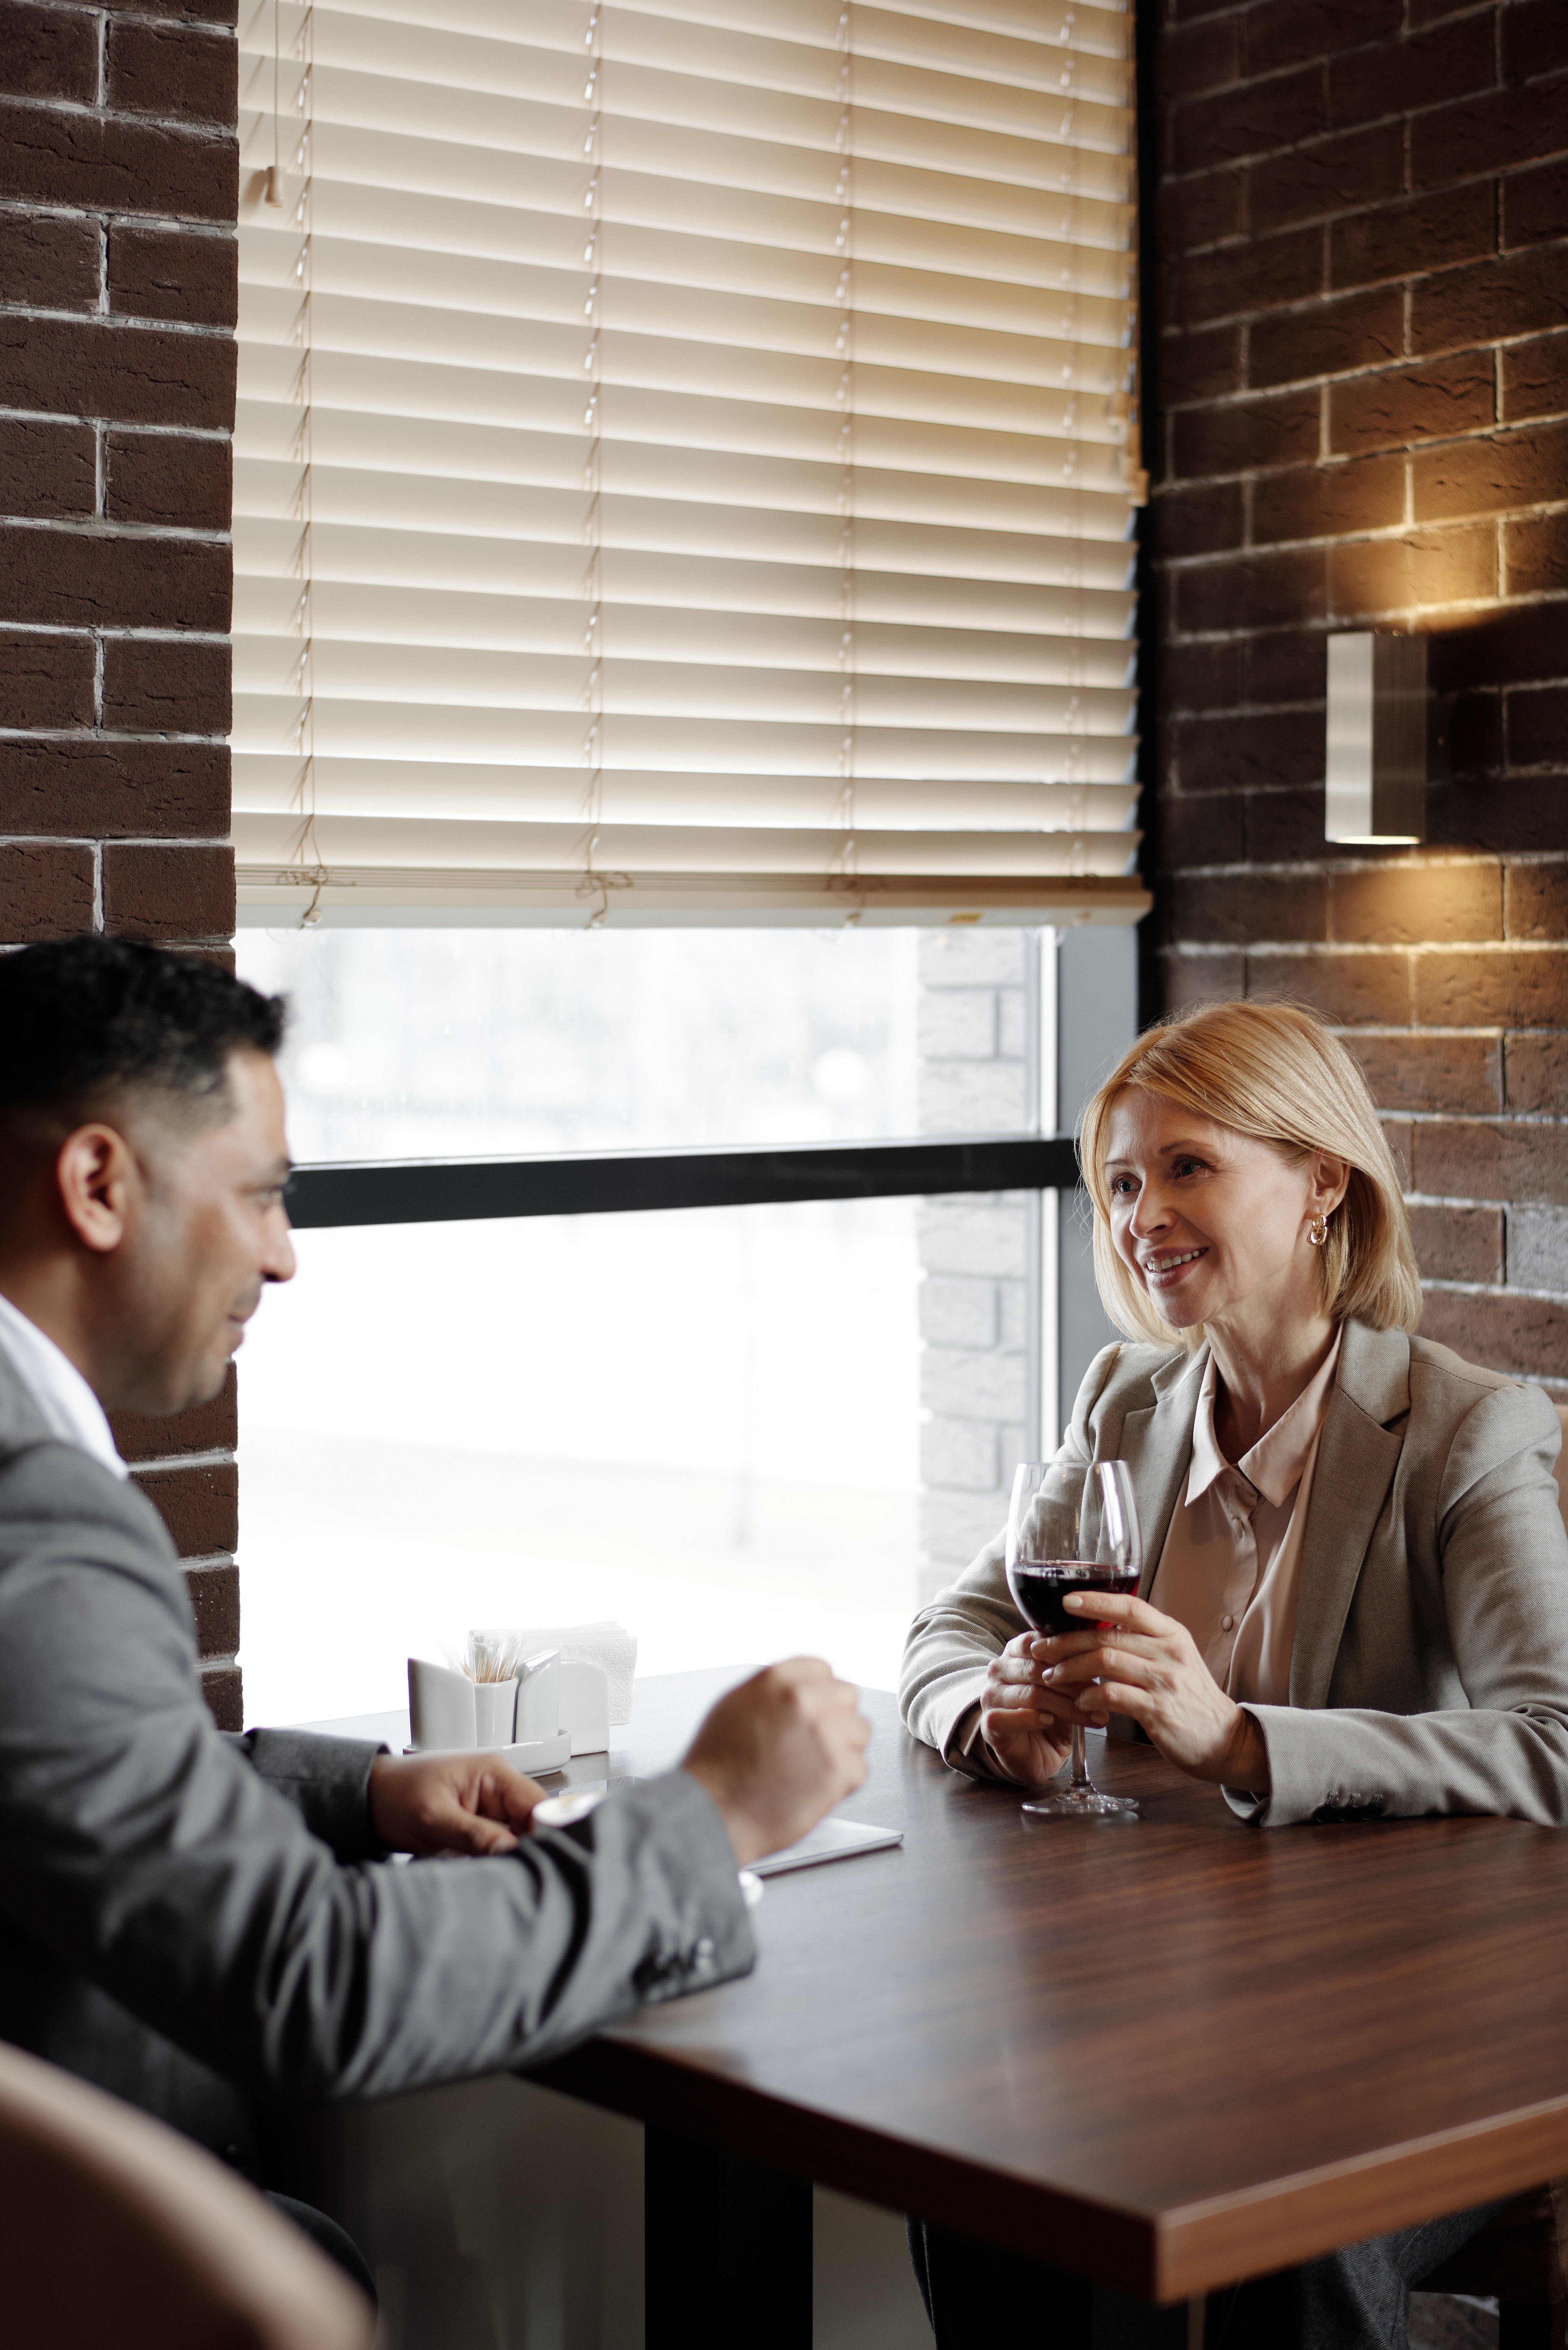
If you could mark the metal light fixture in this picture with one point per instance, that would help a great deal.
(1377, 703)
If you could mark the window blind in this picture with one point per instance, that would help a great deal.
(684, 462)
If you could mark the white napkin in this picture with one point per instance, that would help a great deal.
(609, 1645)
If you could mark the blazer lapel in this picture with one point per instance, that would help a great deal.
(1355, 1463)
(1157, 1445)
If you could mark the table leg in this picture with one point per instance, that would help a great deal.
(726, 2249)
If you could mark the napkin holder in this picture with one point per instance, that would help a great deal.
(520, 1719)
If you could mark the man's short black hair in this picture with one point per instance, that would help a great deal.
(85, 1021)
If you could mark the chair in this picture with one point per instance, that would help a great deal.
(1521, 2258)
(119, 2231)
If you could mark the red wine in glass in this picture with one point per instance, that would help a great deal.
(1040, 1589)
(1072, 1526)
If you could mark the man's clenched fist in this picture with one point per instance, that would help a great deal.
(779, 1751)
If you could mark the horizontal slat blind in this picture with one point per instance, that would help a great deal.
(683, 468)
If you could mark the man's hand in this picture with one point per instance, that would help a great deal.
(778, 1753)
(449, 1802)
(1147, 1666)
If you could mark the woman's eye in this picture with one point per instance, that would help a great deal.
(1121, 1185)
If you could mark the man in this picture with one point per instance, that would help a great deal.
(191, 1919)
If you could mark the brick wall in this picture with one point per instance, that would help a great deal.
(1359, 215)
(118, 193)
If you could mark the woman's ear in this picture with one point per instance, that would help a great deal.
(98, 1180)
(1330, 1181)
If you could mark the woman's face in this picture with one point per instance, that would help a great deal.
(1210, 1222)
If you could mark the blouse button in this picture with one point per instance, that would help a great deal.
(1227, 1623)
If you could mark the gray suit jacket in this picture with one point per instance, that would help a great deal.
(1429, 1668)
(191, 1919)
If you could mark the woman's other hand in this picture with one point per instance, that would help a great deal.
(1028, 1725)
(1147, 1666)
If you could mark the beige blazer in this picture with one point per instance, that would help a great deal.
(1430, 1670)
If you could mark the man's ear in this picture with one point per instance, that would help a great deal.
(98, 1183)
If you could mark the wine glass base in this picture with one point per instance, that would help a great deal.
(1080, 1804)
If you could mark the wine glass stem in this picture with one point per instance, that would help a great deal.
(1080, 1760)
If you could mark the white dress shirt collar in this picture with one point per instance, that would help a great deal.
(68, 1404)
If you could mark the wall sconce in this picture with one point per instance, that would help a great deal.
(1377, 714)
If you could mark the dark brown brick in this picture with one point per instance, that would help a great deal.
(224, 1691)
(1286, 827)
(135, 375)
(166, 686)
(89, 578)
(49, 53)
(51, 263)
(1538, 727)
(45, 680)
(1535, 204)
(1247, 433)
(1517, 293)
(178, 71)
(1534, 38)
(1269, 590)
(216, 1603)
(1401, 77)
(1474, 724)
(46, 890)
(1536, 552)
(208, 1427)
(1355, 331)
(1453, 142)
(1524, 1337)
(1187, 213)
(106, 163)
(191, 12)
(1500, 648)
(1424, 566)
(1361, 167)
(1407, 240)
(1196, 521)
(1458, 1244)
(1253, 120)
(1289, 32)
(1433, 401)
(1535, 378)
(1287, 666)
(1201, 677)
(1348, 989)
(47, 470)
(1431, 1073)
(168, 477)
(1473, 814)
(1230, 750)
(175, 892)
(1416, 905)
(1537, 1073)
(1323, 501)
(199, 1506)
(1233, 279)
(1198, 367)
(1235, 909)
(1203, 829)
(86, 787)
(1536, 899)
(1492, 989)
(1195, 57)
(1489, 475)
(1491, 1159)
(1189, 978)
(167, 273)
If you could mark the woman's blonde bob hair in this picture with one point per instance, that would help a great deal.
(1271, 1071)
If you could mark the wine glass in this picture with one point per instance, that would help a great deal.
(1072, 1526)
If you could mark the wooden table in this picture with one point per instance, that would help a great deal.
(1165, 2055)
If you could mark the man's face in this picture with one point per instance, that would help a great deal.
(207, 1230)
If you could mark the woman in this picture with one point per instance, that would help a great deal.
(1355, 1586)
(1356, 1583)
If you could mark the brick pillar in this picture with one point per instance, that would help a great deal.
(973, 1247)
(119, 196)
(1361, 396)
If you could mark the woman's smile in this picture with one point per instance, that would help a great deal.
(1163, 1269)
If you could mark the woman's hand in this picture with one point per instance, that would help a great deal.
(1027, 1724)
(1147, 1666)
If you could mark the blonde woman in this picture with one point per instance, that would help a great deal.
(1355, 1589)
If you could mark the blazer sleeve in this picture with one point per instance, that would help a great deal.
(1504, 1556)
(139, 1846)
(327, 1781)
(952, 1640)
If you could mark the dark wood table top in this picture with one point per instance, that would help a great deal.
(1165, 2054)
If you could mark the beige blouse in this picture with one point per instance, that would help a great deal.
(1232, 1559)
